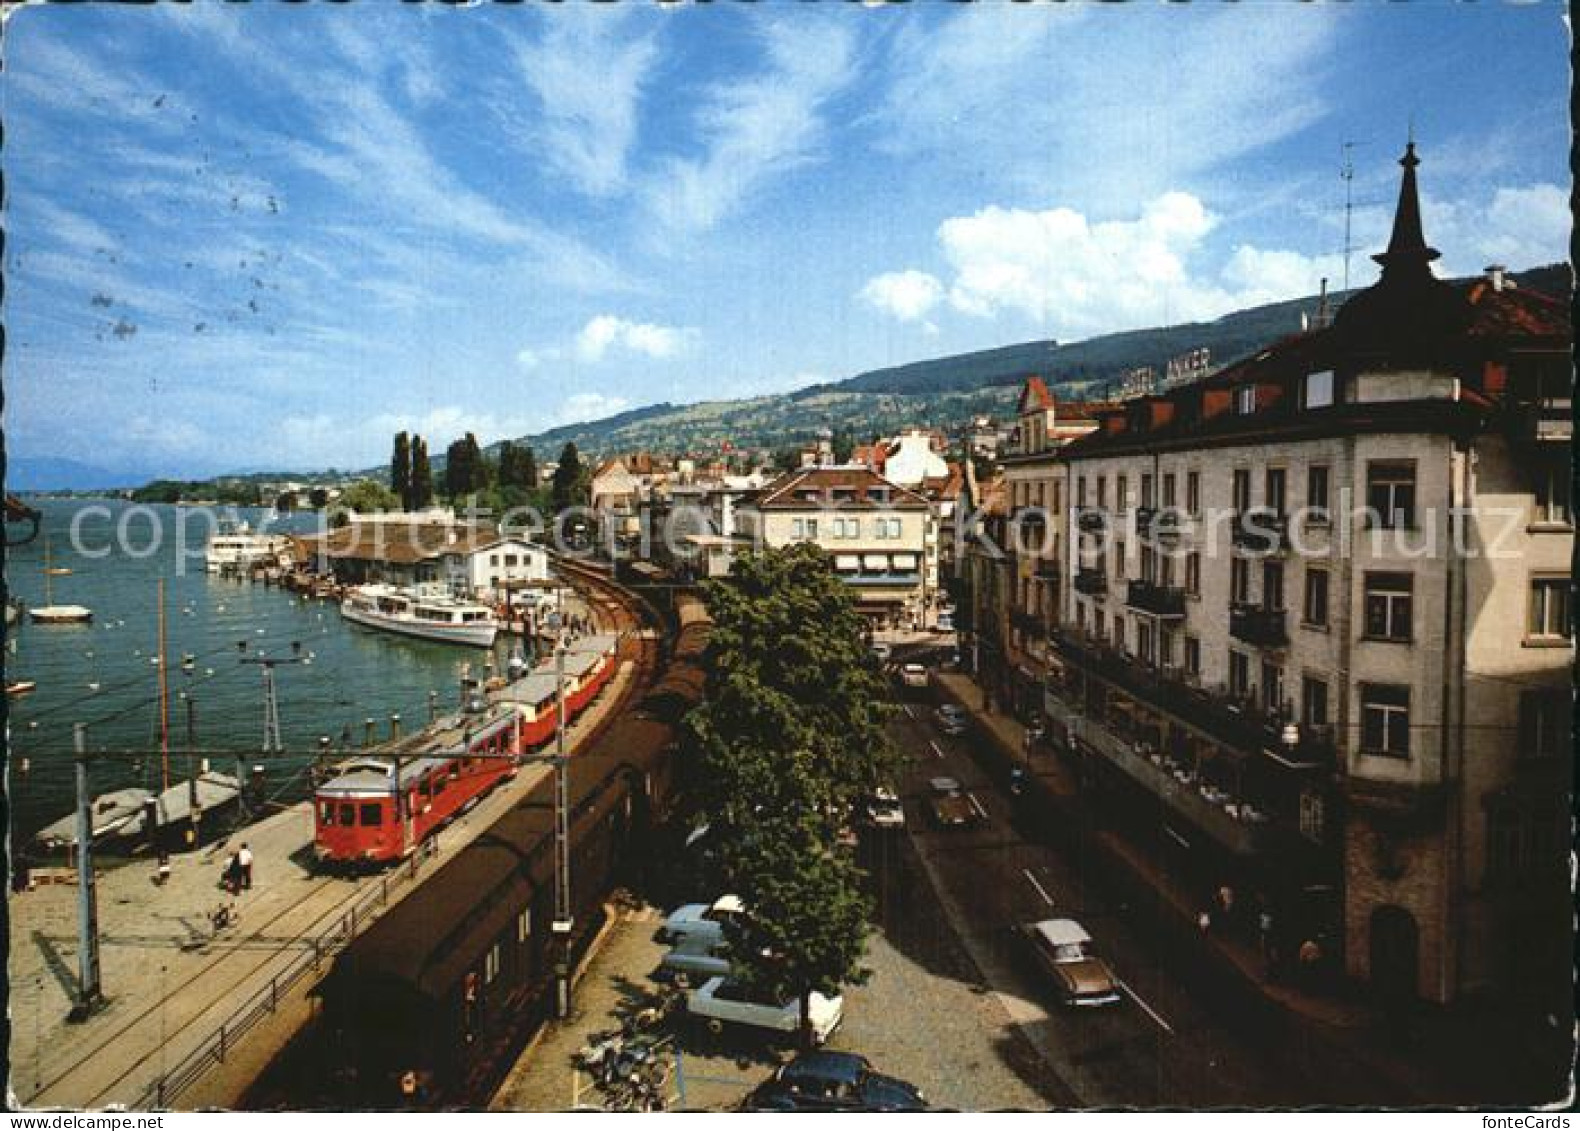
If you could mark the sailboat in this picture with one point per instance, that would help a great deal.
(49, 612)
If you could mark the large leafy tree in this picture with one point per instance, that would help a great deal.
(788, 738)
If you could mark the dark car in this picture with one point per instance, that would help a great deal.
(833, 1081)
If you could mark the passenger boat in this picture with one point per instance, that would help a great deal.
(20, 687)
(234, 546)
(414, 613)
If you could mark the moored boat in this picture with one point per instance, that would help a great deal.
(414, 613)
(235, 546)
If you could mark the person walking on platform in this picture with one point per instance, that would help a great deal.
(244, 863)
(231, 880)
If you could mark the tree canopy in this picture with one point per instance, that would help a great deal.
(400, 467)
(568, 488)
(788, 739)
(419, 491)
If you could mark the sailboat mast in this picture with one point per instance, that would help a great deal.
(49, 586)
(164, 700)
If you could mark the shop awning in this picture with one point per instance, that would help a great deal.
(847, 561)
(875, 561)
(904, 561)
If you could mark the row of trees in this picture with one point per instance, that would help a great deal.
(788, 741)
(411, 475)
(503, 483)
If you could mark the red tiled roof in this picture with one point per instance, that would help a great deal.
(1034, 395)
(862, 482)
(1515, 312)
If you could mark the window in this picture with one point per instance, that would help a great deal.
(1149, 563)
(1166, 647)
(1239, 674)
(1121, 494)
(1314, 702)
(798, 528)
(1317, 390)
(1241, 492)
(1317, 493)
(1390, 495)
(326, 813)
(1168, 489)
(1192, 656)
(1119, 632)
(811, 528)
(348, 816)
(1273, 484)
(1554, 506)
(1146, 490)
(1080, 491)
(1144, 642)
(1385, 720)
(1102, 491)
(1193, 573)
(1550, 609)
(1119, 561)
(1193, 492)
(524, 925)
(1244, 400)
(1311, 815)
(1544, 722)
(1272, 687)
(372, 814)
(1272, 585)
(1100, 623)
(1314, 609)
(1239, 581)
(493, 559)
(1388, 606)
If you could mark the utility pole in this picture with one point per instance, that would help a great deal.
(562, 846)
(272, 743)
(90, 994)
(196, 814)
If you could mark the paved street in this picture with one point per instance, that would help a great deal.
(1161, 1046)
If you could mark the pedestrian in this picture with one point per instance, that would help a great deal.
(244, 862)
(1204, 921)
(162, 876)
(232, 878)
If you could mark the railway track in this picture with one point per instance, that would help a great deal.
(146, 1038)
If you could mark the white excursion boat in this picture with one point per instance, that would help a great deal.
(234, 546)
(432, 616)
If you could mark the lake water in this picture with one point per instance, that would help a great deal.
(103, 673)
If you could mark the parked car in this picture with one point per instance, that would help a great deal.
(701, 920)
(884, 810)
(833, 1081)
(951, 808)
(694, 960)
(721, 1001)
(882, 651)
(952, 719)
(945, 622)
(1064, 949)
(913, 675)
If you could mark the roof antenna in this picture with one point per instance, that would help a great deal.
(1347, 171)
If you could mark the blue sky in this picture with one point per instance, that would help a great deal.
(269, 236)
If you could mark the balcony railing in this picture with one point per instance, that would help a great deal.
(1548, 420)
(1236, 721)
(1047, 569)
(1259, 626)
(1261, 530)
(1092, 582)
(1159, 600)
(1091, 520)
(1163, 524)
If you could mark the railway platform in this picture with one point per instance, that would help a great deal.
(191, 1012)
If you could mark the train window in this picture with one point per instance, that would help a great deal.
(372, 813)
(348, 815)
(439, 781)
(491, 964)
(326, 813)
(524, 925)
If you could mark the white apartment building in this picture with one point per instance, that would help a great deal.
(875, 531)
(1318, 612)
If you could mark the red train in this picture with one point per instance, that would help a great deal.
(449, 765)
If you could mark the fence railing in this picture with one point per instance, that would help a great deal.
(265, 1002)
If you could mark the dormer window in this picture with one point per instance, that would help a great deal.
(1244, 400)
(1317, 390)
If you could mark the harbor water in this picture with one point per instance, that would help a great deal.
(105, 673)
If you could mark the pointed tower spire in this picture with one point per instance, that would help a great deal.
(1408, 254)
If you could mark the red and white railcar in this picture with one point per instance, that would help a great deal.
(443, 770)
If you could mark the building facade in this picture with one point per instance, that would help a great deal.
(1315, 616)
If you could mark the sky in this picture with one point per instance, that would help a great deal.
(269, 236)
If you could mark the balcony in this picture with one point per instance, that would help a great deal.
(1047, 569)
(1545, 421)
(1027, 624)
(1092, 582)
(1091, 520)
(1237, 722)
(1162, 524)
(1159, 600)
(1259, 626)
(1261, 531)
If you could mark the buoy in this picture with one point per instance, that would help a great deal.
(208, 671)
(93, 687)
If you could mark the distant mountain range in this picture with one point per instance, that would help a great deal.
(948, 391)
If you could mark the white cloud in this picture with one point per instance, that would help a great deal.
(588, 406)
(588, 81)
(607, 332)
(1073, 277)
(757, 127)
(908, 295)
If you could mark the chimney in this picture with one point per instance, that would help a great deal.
(1495, 275)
